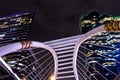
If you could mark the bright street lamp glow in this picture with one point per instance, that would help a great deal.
(52, 78)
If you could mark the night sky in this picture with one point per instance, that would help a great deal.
(56, 19)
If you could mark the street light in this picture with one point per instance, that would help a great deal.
(52, 77)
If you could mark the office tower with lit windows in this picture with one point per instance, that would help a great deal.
(15, 27)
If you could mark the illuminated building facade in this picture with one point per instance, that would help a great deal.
(15, 27)
(100, 56)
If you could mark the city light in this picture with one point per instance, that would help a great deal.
(52, 78)
(102, 53)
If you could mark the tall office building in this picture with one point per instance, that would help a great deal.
(15, 27)
(99, 56)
